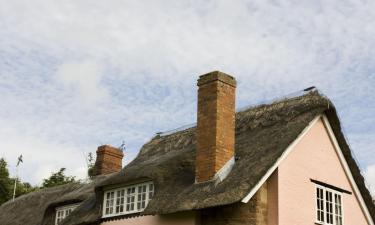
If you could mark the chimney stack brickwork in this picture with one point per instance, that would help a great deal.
(108, 160)
(216, 123)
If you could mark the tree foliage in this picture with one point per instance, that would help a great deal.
(91, 166)
(7, 184)
(57, 179)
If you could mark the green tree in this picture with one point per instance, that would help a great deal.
(23, 188)
(57, 179)
(91, 166)
(5, 182)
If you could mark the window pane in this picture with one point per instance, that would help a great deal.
(61, 214)
(151, 191)
(141, 198)
(329, 207)
(320, 204)
(120, 201)
(109, 202)
(130, 199)
(338, 209)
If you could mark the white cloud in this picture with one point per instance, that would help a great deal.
(85, 78)
(85, 73)
(41, 157)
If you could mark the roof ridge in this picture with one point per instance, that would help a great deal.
(290, 96)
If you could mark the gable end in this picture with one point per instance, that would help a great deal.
(340, 154)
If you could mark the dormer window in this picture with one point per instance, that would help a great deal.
(64, 211)
(127, 200)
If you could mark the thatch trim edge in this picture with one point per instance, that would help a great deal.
(347, 169)
(286, 152)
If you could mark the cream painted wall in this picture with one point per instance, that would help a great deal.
(185, 218)
(314, 157)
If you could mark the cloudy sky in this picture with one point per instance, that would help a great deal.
(78, 74)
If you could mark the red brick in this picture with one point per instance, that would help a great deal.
(108, 160)
(216, 123)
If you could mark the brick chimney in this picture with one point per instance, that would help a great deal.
(108, 160)
(216, 124)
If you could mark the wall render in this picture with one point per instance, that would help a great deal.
(314, 157)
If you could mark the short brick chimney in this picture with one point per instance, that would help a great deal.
(216, 124)
(108, 160)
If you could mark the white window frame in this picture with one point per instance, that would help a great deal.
(128, 195)
(334, 212)
(63, 211)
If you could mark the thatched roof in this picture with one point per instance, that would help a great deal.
(38, 208)
(262, 134)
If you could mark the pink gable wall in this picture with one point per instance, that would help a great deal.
(314, 157)
(186, 218)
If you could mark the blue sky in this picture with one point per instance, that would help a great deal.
(78, 74)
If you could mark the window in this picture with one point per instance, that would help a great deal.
(120, 201)
(141, 199)
(130, 197)
(110, 196)
(328, 206)
(126, 200)
(338, 209)
(63, 212)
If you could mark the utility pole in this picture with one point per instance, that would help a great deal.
(15, 180)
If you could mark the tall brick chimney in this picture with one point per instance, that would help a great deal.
(216, 124)
(108, 160)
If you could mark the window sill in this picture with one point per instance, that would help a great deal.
(319, 223)
(121, 216)
(322, 223)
